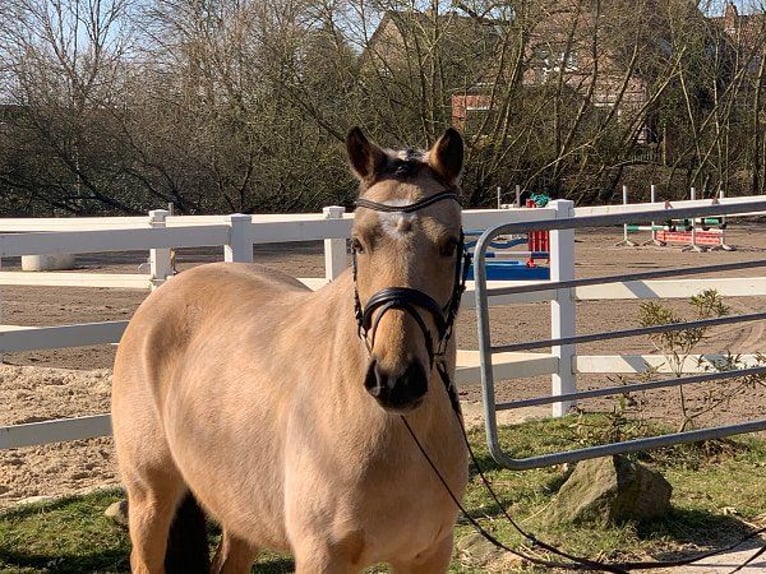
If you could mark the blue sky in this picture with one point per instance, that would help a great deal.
(744, 6)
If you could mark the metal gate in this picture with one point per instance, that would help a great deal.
(560, 290)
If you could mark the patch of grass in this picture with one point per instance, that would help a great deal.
(70, 535)
(717, 492)
(717, 488)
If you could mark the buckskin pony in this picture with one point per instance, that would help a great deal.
(280, 409)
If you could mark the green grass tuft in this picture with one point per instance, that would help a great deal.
(717, 493)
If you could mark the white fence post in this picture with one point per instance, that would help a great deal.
(1, 308)
(334, 249)
(160, 264)
(562, 262)
(240, 246)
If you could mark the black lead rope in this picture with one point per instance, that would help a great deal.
(577, 562)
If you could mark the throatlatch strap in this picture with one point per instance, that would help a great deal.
(449, 385)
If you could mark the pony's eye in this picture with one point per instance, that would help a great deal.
(448, 247)
(356, 245)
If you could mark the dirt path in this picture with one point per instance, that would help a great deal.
(43, 385)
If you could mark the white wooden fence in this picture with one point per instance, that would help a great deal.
(159, 233)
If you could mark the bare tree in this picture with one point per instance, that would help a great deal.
(63, 67)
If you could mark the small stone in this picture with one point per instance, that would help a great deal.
(476, 549)
(477, 552)
(118, 512)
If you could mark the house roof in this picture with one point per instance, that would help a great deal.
(619, 27)
(747, 31)
(458, 35)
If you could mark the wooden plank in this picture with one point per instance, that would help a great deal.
(38, 224)
(469, 296)
(100, 241)
(32, 434)
(505, 366)
(314, 283)
(9, 328)
(480, 219)
(291, 217)
(14, 339)
(632, 364)
(67, 279)
(651, 289)
(674, 288)
(306, 230)
(43, 224)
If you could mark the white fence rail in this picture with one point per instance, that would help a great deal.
(160, 233)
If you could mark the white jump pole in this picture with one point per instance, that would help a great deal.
(625, 239)
(723, 245)
(693, 246)
(518, 195)
(653, 227)
(653, 198)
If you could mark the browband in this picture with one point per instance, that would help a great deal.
(420, 204)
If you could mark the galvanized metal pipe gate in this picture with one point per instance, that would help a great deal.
(563, 339)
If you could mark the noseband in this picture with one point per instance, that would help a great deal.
(409, 300)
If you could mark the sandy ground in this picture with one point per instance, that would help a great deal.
(44, 385)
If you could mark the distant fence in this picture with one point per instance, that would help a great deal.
(159, 233)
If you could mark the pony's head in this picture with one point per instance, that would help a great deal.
(407, 248)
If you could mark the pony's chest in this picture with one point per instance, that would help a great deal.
(380, 483)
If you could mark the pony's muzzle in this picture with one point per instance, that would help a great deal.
(402, 391)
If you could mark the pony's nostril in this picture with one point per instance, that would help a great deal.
(376, 380)
(397, 391)
(413, 383)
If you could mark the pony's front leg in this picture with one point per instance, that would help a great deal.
(318, 556)
(234, 555)
(435, 560)
(150, 514)
(323, 564)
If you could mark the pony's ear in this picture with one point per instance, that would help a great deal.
(446, 156)
(366, 157)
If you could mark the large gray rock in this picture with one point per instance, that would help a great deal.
(611, 490)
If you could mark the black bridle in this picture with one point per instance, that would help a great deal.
(410, 300)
